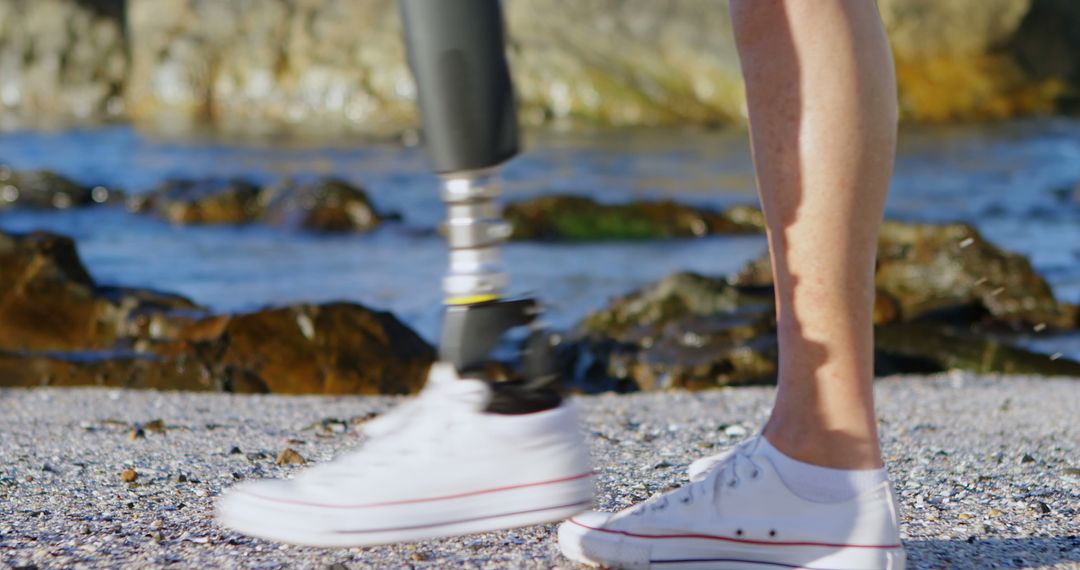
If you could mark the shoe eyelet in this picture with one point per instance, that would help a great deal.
(772, 532)
(755, 474)
(738, 532)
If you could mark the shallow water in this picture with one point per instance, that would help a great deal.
(1006, 179)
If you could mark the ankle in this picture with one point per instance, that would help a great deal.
(826, 448)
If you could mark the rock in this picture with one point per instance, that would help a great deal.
(310, 66)
(685, 331)
(109, 369)
(933, 271)
(337, 348)
(901, 348)
(578, 218)
(63, 61)
(610, 62)
(204, 201)
(51, 304)
(40, 189)
(327, 205)
(128, 475)
(48, 301)
(953, 60)
(607, 62)
(951, 273)
(289, 456)
(690, 331)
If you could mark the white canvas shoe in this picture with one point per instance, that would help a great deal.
(439, 467)
(739, 514)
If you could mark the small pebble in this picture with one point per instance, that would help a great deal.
(289, 456)
(128, 475)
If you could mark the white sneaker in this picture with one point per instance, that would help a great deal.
(431, 471)
(739, 514)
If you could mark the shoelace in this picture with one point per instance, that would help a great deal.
(723, 474)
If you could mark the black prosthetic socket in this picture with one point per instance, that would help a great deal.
(456, 50)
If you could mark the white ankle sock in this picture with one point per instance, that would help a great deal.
(820, 484)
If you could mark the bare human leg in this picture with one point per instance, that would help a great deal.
(822, 102)
(811, 493)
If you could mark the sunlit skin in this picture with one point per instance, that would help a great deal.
(821, 95)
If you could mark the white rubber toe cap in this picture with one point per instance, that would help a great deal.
(572, 535)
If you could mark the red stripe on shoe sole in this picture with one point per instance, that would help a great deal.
(582, 504)
(424, 500)
(730, 539)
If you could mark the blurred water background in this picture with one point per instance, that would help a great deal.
(1013, 181)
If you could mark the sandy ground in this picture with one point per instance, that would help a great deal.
(987, 468)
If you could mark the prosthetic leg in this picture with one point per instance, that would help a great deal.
(468, 454)
(456, 50)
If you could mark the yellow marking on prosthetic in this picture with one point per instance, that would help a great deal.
(471, 300)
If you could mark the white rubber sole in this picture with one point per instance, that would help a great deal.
(284, 520)
(599, 547)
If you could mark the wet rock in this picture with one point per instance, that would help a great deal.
(324, 205)
(930, 347)
(327, 205)
(690, 331)
(289, 456)
(128, 475)
(58, 328)
(204, 201)
(579, 218)
(105, 369)
(938, 271)
(42, 190)
(686, 331)
(951, 273)
(337, 348)
(48, 301)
